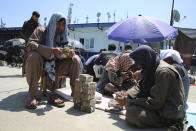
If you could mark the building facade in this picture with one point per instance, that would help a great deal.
(92, 35)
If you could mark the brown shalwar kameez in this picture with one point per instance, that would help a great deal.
(164, 106)
(37, 53)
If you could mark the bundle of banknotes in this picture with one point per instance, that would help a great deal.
(84, 93)
(65, 52)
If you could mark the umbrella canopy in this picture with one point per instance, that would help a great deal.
(141, 29)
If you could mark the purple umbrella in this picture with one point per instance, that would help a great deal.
(141, 29)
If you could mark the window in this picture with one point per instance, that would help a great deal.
(87, 43)
(92, 43)
(82, 40)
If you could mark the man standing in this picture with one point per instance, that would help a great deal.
(30, 25)
(27, 29)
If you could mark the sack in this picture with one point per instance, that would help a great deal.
(98, 69)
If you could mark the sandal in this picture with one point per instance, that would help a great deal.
(56, 101)
(31, 104)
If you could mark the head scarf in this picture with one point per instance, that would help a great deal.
(146, 57)
(62, 38)
(121, 62)
(175, 55)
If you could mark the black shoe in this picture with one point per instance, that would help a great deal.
(176, 127)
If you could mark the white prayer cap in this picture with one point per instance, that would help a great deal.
(171, 53)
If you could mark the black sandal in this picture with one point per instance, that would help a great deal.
(52, 100)
(32, 106)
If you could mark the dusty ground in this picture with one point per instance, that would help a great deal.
(13, 115)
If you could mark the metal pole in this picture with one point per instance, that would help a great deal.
(171, 19)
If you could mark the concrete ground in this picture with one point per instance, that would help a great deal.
(14, 116)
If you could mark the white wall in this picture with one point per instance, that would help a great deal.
(100, 39)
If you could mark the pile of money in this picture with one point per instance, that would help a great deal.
(2, 63)
(84, 93)
(65, 52)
